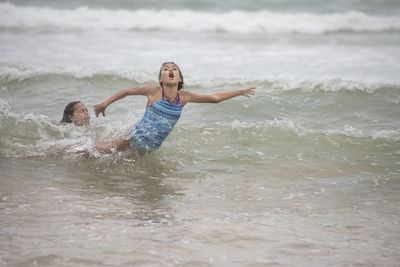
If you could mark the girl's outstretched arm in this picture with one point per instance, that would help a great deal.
(218, 97)
(140, 90)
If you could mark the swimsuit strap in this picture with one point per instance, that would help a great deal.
(177, 98)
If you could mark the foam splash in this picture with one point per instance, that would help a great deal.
(238, 22)
(35, 135)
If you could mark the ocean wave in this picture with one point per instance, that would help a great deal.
(312, 84)
(304, 84)
(282, 128)
(13, 73)
(35, 135)
(25, 135)
(291, 127)
(238, 22)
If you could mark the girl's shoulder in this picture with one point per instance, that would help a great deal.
(184, 97)
(153, 90)
(184, 93)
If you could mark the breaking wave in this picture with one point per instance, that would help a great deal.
(12, 74)
(35, 135)
(237, 22)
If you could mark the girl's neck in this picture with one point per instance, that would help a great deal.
(171, 95)
(170, 91)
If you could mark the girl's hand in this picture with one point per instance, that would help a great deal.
(99, 108)
(249, 91)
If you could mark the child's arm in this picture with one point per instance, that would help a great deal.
(142, 90)
(218, 97)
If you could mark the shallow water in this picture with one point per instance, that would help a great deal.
(154, 214)
(307, 172)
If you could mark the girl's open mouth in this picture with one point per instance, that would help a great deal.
(171, 75)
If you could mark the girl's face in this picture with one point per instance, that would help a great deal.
(81, 115)
(170, 74)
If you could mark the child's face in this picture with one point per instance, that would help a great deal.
(81, 115)
(170, 74)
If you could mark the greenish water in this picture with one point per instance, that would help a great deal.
(304, 173)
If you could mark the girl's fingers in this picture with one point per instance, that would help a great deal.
(249, 91)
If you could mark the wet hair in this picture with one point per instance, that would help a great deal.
(180, 84)
(69, 112)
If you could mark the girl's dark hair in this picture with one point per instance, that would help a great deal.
(180, 84)
(69, 112)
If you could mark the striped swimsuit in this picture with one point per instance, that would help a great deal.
(157, 123)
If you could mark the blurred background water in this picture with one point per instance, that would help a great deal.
(304, 173)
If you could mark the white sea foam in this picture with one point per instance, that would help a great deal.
(288, 127)
(33, 135)
(312, 84)
(306, 84)
(9, 73)
(243, 22)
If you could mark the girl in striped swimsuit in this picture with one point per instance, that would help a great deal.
(164, 108)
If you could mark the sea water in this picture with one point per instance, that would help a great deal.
(304, 173)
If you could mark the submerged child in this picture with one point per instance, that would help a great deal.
(77, 113)
(164, 107)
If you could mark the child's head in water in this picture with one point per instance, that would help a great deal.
(77, 113)
(170, 72)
